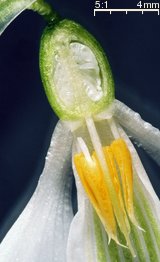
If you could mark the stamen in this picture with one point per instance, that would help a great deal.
(114, 128)
(121, 151)
(92, 179)
(116, 183)
(84, 149)
(123, 159)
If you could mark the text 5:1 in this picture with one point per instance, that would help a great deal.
(101, 4)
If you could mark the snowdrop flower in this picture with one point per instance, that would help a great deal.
(118, 210)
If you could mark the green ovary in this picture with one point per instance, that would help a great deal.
(75, 72)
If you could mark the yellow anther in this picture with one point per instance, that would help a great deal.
(92, 180)
(121, 217)
(124, 162)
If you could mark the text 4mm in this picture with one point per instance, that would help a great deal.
(148, 5)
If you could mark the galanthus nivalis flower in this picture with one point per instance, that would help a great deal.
(135, 196)
(118, 210)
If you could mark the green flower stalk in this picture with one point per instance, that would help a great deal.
(118, 210)
(10, 9)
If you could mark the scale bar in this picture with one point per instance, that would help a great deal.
(125, 10)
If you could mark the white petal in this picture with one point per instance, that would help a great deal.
(10, 9)
(142, 175)
(144, 133)
(145, 192)
(40, 233)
